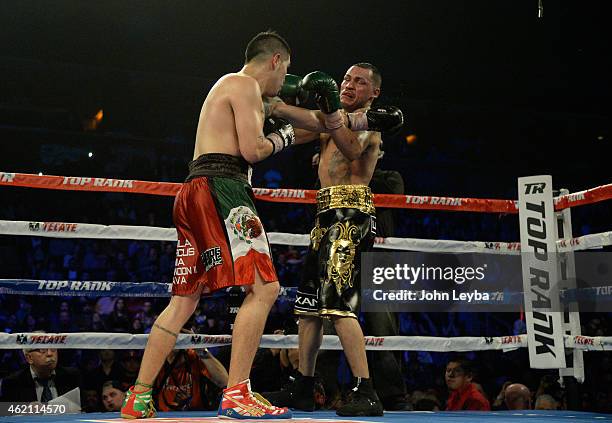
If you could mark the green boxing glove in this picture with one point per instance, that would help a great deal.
(292, 93)
(289, 91)
(324, 90)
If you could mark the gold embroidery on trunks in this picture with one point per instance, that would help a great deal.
(342, 253)
(316, 235)
(345, 196)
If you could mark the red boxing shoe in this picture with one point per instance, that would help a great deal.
(239, 402)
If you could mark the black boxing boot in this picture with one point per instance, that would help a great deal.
(298, 393)
(362, 401)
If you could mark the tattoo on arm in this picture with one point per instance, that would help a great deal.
(269, 104)
(267, 110)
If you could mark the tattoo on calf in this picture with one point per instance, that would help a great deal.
(169, 332)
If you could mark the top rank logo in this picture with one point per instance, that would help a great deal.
(21, 339)
(7, 177)
(536, 188)
(98, 182)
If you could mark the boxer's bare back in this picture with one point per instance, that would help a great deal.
(217, 130)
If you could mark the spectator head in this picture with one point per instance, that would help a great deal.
(130, 361)
(96, 321)
(137, 326)
(458, 374)
(153, 255)
(90, 400)
(517, 397)
(319, 394)
(549, 385)
(112, 395)
(111, 275)
(42, 360)
(64, 318)
(107, 355)
(119, 305)
(545, 402)
(30, 323)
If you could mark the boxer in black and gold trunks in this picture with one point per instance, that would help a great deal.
(345, 227)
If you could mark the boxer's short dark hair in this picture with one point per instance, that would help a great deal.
(266, 43)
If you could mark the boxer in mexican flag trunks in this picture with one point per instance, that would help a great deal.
(221, 241)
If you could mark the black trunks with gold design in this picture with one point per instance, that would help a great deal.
(345, 227)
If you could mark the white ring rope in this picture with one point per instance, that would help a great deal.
(395, 343)
(90, 340)
(150, 233)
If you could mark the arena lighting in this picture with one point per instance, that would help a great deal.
(90, 154)
(411, 138)
(40, 174)
(98, 117)
(540, 9)
(92, 123)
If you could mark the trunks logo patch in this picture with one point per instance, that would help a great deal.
(245, 224)
(211, 257)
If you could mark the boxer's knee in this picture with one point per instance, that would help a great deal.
(184, 306)
(270, 291)
(264, 291)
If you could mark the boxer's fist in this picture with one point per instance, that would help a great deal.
(323, 89)
(280, 133)
(291, 92)
(385, 119)
(381, 119)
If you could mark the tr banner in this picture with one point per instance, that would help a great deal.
(538, 228)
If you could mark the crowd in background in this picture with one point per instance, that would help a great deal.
(423, 372)
(106, 374)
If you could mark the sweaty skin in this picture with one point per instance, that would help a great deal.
(220, 127)
(342, 163)
(231, 119)
(346, 160)
(336, 169)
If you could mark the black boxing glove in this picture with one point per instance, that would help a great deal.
(381, 119)
(279, 132)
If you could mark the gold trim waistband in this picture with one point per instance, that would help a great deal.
(346, 196)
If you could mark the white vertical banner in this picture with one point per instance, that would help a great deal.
(538, 226)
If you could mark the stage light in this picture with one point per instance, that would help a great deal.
(411, 139)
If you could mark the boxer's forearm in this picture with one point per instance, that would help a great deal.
(311, 120)
(217, 371)
(302, 136)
